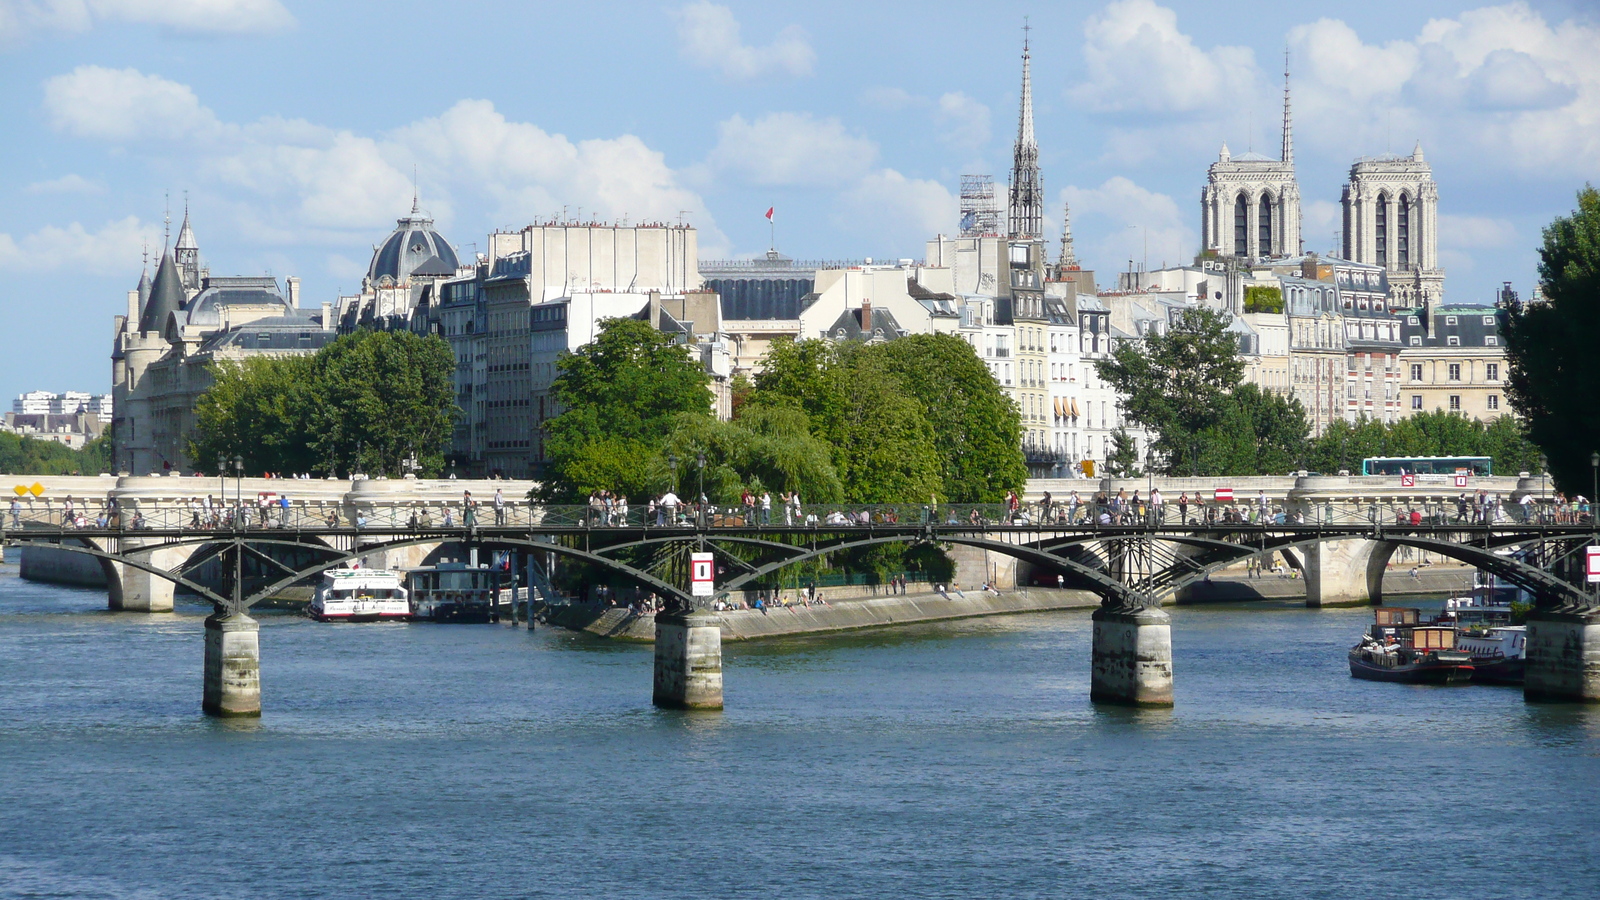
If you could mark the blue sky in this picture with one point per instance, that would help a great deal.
(294, 127)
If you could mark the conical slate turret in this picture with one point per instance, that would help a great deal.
(166, 296)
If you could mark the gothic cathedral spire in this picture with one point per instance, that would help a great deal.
(1288, 125)
(1069, 257)
(1026, 214)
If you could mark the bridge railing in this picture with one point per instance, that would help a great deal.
(415, 516)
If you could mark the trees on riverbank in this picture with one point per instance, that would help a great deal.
(1552, 376)
(366, 402)
(908, 421)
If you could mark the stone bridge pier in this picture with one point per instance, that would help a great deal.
(131, 589)
(1345, 573)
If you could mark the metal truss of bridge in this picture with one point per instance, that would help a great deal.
(1131, 562)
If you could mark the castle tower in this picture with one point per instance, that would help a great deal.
(1391, 218)
(1250, 206)
(1026, 213)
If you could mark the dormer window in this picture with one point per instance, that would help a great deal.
(1450, 320)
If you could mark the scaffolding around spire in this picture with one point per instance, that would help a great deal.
(980, 211)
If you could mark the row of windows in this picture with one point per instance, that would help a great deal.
(1491, 402)
(1491, 371)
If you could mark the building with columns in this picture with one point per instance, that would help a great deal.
(1391, 220)
(1250, 206)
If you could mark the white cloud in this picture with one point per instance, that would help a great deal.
(964, 121)
(70, 183)
(787, 148)
(1138, 60)
(124, 104)
(108, 250)
(19, 18)
(708, 37)
(1133, 221)
(896, 212)
(304, 183)
(534, 172)
(1498, 83)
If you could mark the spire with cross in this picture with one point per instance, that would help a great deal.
(1026, 213)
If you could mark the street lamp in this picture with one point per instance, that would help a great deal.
(238, 491)
(700, 464)
(1594, 466)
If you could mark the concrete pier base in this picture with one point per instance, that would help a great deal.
(233, 666)
(1345, 573)
(1563, 656)
(1132, 657)
(688, 661)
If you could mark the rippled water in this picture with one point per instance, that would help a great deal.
(960, 760)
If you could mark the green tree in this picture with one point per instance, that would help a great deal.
(1278, 428)
(1123, 460)
(1552, 378)
(366, 401)
(763, 448)
(380, 396)
(21, 455)
(1174, 383)
(976, 428)
(622, 394)
(260, 410)
(876, 428)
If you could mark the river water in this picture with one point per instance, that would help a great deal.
(957, 760)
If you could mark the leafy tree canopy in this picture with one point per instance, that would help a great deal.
(365, 402)
(21, 455)
(976, 428)
(1552, 376)
(1175, 384)
(622, 395)
(910, 420)
(1344, 445)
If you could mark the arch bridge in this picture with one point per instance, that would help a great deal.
(1131, 563)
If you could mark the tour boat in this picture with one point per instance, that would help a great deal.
(360, 595)
(1497, 652)
(453, 592)
(1398, 647)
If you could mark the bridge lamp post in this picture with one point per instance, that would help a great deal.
(672, 485)
(700, 464)
(238, 490)
(1594, 466)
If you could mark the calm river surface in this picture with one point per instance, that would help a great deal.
(961, 760)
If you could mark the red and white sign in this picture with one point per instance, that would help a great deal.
(1224, 495)
(1408, 481)
(1592, 563)
(702, 574)
(1461, 481)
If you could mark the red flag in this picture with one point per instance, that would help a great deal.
(769, 213)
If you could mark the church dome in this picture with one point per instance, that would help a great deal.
(412, 244)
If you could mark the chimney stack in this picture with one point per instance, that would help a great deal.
(866, 317)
